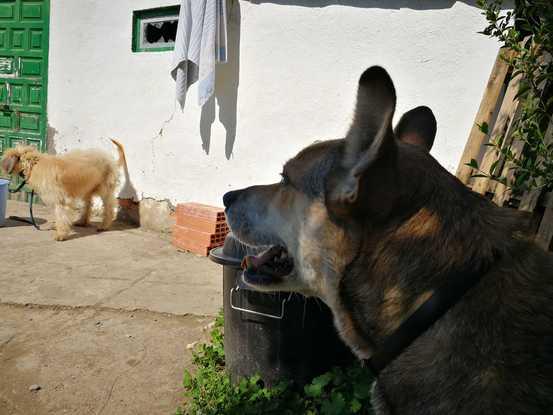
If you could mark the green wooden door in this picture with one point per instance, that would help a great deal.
(23, 72)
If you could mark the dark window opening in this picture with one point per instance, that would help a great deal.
(161, 32)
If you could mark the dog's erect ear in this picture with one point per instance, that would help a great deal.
(9, 163)
(371, 132)
(417, 127)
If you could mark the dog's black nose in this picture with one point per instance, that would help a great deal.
(230, 197)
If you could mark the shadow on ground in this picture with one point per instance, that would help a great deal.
(14, 221)
(78, 231)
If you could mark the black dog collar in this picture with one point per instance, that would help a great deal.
(422, 318)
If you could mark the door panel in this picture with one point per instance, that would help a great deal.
(23, 72)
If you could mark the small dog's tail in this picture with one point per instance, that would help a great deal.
(122, 159)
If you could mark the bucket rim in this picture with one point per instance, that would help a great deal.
(4, 182)
(217, 256)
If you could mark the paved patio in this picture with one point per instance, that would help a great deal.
(100, 322)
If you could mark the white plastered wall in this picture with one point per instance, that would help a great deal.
(291, 80)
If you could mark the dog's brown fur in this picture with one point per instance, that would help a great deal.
(375, 225)
(60, 180)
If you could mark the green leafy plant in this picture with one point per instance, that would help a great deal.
(209, 390)
(528, 31)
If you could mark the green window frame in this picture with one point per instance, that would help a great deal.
(157, 15)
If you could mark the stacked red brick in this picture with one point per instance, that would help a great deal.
(199, 228)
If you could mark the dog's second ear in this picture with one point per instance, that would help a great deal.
(8, 164)
(370, 135)
(417, 127)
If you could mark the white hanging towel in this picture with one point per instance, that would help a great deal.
(201, 41)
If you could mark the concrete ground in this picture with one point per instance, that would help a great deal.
(100, 322)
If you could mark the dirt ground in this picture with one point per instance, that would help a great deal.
(99, 323)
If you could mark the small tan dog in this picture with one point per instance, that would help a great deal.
(59, 180)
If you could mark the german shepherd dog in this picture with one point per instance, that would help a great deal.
(373, 225)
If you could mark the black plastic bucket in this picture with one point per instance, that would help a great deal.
(280, 336)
